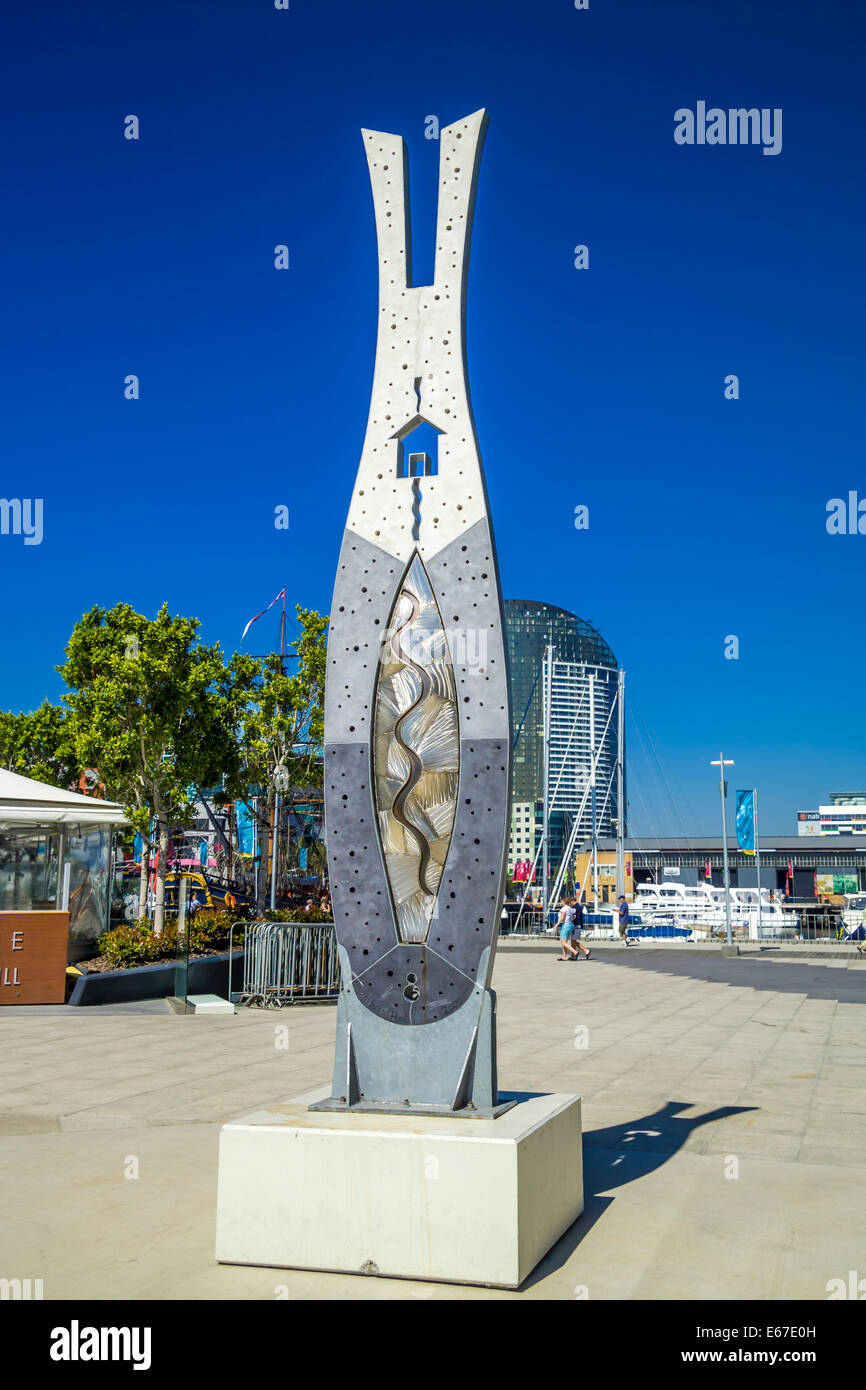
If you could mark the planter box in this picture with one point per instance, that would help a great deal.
(207, 975)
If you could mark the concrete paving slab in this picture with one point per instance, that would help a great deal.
(90, 1097)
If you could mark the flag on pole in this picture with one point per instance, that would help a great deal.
(244, 823)
(746, 821)
(280, 595)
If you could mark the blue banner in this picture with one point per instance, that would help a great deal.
(746, 821)
(244, 822)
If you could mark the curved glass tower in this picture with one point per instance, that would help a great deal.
(581, 658)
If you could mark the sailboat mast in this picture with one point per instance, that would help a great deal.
(757, 857)
(545, 828)
(620, 789)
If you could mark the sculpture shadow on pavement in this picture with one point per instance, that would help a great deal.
(617, 1155)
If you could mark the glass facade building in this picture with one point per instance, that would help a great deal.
(581, 660)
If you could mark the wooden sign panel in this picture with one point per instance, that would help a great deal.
(33, 949)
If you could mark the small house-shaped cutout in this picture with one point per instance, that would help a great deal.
(418, 450)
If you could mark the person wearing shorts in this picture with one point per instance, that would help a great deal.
(577, 909)
(565, 922)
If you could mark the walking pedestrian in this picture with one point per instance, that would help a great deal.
(565, 922)
(577, 908)
(623, 920)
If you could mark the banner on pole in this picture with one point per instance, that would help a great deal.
(244, 823)
(746, 821)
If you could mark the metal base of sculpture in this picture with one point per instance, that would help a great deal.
(417, 1063)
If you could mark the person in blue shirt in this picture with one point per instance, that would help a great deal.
(623, 919)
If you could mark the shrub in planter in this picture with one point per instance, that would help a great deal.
(209, 929)
(132, 943)
(296, 914)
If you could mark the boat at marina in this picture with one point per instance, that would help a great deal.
(702, 909)
(854, 917)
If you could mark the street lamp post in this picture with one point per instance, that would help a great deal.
(721, 763)
(281, 783)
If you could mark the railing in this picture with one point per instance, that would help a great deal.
(285, 962)
(806, 922)
(801, 922)
(514, 922)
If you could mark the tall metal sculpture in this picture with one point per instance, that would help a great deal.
(417, 721)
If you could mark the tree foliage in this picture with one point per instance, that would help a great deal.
(156, 711)
(162, 716)
(282, 727)
(39, 744)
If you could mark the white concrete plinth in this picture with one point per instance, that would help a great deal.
(464, 1201)
(209, 1004)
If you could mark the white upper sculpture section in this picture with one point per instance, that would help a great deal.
(420, 372)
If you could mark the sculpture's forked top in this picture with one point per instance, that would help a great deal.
(460, 148)
(420, 373)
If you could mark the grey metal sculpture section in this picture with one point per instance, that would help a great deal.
(417, 742)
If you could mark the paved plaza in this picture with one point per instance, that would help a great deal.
(724, 1113)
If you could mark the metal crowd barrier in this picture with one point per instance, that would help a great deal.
(516, 922)
(288, 961)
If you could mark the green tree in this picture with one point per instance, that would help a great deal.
(39, 744)
(157, 712)
(282, 727)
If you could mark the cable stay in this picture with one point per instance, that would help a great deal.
(544, 826)
(572, 839)
(528, 703)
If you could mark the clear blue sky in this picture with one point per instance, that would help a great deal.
(602, 387)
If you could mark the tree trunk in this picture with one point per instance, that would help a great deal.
(159, 910)
(145, 875)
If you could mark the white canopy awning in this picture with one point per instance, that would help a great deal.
(25, 802)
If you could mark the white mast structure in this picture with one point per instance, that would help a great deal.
(592, 791)
(547, 684)
(721, 763)
(620, 787)
(757, 856)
